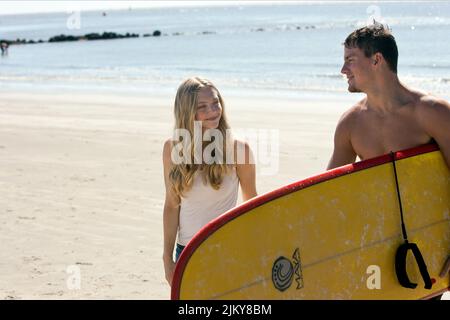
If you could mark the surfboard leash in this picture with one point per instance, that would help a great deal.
(405, 235)
(402, 251)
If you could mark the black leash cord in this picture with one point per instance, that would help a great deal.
(405, 236)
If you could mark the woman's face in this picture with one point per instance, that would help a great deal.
(209, 109)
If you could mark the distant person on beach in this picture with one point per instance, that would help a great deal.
(201, 182)
(392, 116)
(4, 47)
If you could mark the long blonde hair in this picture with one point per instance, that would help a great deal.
(181, 176)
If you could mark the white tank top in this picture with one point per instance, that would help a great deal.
(202, 204)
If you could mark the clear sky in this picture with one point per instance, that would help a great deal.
(34, 6)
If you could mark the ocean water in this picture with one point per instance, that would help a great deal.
(267, 50)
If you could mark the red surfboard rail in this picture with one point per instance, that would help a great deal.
(215, 224)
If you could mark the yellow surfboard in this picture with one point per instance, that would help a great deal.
(331, 236)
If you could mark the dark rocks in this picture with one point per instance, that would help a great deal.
(65, 38)
(93, 36)
(62, 38)
(155, 33)
(17, 41)
(113, 35)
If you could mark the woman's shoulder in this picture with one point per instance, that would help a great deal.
(241, 144)
(167, 144)
(242, 150)
(167, 150)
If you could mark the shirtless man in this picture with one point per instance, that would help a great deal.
(392, 117)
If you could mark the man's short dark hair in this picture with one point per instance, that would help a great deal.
(372, 39)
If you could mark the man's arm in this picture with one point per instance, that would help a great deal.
(434, 116)
(343, 152)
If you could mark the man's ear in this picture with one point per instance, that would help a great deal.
(377, 58)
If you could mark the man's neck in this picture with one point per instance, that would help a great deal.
(387, 94)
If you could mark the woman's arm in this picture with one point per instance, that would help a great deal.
(246, 171)
(170, 216)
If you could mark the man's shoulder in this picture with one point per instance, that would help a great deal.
(354, 111)
(428, 103)
(431, 108)
(428, 100)
(350, 117)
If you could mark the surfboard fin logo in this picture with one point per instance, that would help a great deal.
(284, 270)
(298, 269)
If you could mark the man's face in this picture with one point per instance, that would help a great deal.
(358, 68)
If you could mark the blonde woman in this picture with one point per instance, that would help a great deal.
(197, 188)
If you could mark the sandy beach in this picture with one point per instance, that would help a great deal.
(84, 113)
(82, 186)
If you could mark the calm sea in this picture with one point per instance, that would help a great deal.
(266, 50)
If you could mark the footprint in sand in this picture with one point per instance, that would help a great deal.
(59, 293)
(36, 271)
(31, 259)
